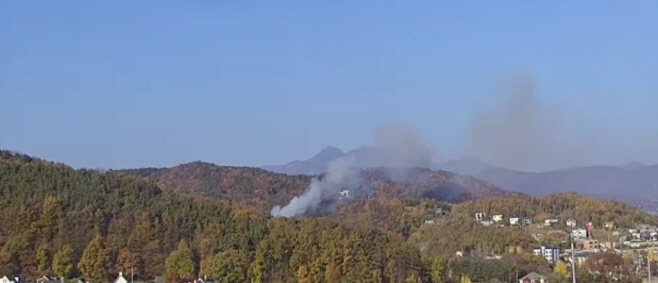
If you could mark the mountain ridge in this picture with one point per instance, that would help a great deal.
(630, 181)
(258, 186)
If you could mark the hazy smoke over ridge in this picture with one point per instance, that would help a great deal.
(396, 146)
(521, 133)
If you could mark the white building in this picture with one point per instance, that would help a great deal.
(579, 233)
(549, 222)
(480, 216)
(497, 218)
(551, 254)
(345, 193)
(532, 277)
(9, 280)
(120, 279)
(571, 223)
(514, 221)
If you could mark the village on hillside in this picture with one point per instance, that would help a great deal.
(569, 242)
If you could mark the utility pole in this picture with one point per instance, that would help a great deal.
(649, 265)
(573, 263)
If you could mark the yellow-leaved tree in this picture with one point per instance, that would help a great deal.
(561, 269)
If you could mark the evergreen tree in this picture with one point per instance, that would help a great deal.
(438, 269)
(63, 265)
(332, 275)
(43, 259)
(303, 275)
(9, 263)
(153, 256)
(180, 263)
(229, 266)
(261, 262)
(376, 277)
(128, 263)
(96, 263)
(49, 223)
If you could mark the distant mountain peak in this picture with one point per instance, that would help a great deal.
(329, 153)
(313, 166)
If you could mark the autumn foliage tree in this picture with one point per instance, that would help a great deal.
(63, 262)
(128, 262)
(180, 263)
(561, 271)
(229, 266)
(43, 259)
(95, 263)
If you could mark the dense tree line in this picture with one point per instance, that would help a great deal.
(83, 223)
(65, 222)
(252, 186)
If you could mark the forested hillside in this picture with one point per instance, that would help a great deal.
(239, 184)
(81, 223)
(262, 188)
(65, 222)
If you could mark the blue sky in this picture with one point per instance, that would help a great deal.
(116, 84)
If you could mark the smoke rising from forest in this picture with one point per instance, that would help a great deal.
(395, 147)
(519, 132)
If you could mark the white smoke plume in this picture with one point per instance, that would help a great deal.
(396, 147)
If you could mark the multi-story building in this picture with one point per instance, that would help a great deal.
(550, 253)
(589, 245)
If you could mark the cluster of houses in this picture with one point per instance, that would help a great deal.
(585, 246)
(498, 219)
(644, 233)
